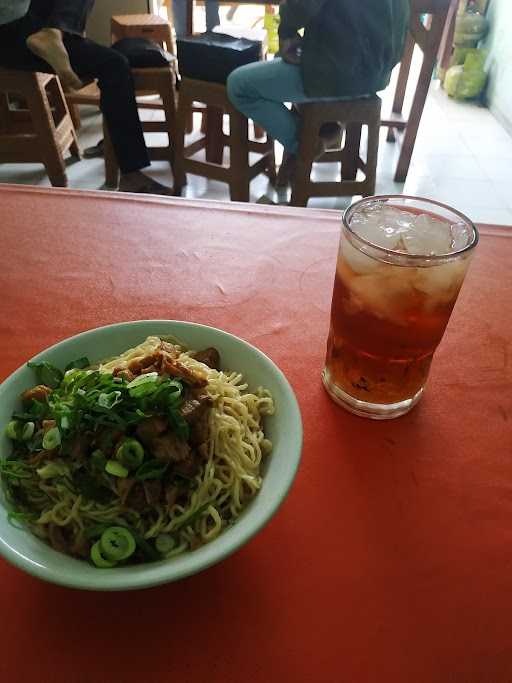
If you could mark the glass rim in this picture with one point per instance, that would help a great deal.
(347, 214)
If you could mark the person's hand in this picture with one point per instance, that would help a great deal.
(290, 50)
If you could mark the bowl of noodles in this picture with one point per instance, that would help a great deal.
(140, 453)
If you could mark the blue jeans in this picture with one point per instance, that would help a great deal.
(179, 10)
(260, 90)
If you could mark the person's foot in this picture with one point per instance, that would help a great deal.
(286, 170)
(95, 152)
(48, 45)
(143, 184)
(331, 135)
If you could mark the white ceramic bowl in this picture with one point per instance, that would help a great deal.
(27, 552)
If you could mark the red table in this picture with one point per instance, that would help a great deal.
(391, 559)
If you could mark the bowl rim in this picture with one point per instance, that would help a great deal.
(157, 573)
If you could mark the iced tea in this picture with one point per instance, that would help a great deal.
(399, 271)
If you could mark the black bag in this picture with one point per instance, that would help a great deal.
(213, 56)
(143, 53)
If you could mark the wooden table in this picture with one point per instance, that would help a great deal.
(391, 559)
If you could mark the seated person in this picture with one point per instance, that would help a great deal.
(179, 11)
(348, 51)
(47, 36)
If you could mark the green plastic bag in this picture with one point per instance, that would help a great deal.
(466, 81)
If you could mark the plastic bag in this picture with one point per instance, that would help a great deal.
(467, 81)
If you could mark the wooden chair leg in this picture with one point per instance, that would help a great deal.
(74, 111)
(239, 158)
(372, 157)
(189, 128)
(271, 162)
(111, 165)
(169, 106)
(425, 77)
(350, 155)
(308, 146)
(401, 86)
(184, 111)
(214, 135)
(58, 99)
(44, 127)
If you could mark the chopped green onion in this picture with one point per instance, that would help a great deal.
(130, 453)
(109, 400)
(152, 469)
(98, 558)
(12, 431)
(47, 374)
(78, 364)
(51, 439)
(52, 469)
(117, 543)
(28, 431)
(164, 543)
(144, 385)
(116, 469)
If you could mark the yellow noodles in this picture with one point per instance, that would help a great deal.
(227, 481)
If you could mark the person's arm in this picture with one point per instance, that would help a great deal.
(296, 14)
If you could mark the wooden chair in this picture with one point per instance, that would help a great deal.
(427, 35)
(352, 115)
(39, 129)
(150, 26)
(239, 173)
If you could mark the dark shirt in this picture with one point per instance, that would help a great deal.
(350, 46)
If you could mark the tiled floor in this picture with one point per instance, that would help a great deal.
(463, 157)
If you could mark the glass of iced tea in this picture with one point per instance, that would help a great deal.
(401, 264)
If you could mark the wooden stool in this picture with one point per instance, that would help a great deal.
(239, 173)
(160, 80)
(150, 26)
(43, 131)
(352, 115)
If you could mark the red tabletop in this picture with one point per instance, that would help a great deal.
(391, 559)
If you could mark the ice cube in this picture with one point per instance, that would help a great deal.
(356, 260)
(428, 236)
(383, 225)
(441, 282)
(460, 236)
(385, 295)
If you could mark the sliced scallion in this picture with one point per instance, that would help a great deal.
(51, 439)
(28, 431)
(98, 558)
(144, 385)
(12, 430)
(117, 543)
(115, 468)
(130, 453)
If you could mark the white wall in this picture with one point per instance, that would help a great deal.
(499, 43)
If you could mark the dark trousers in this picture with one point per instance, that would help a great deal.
(88, 60)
